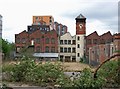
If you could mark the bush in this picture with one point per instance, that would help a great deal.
(109, 71)
(86, 80)
(52, 74)
(39, 74)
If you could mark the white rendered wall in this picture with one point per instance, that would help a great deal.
(80, 50)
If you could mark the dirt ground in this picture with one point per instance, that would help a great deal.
(75, 66)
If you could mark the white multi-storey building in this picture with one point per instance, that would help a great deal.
(67, 50)
(72, 48)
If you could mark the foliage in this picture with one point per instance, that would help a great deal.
(84, 59)
(86, 80)
(109, 71)
(7, 71)
(41, 74)
(117, 51)
(28, 71)
(7, 47)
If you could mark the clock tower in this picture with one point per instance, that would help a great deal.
(80, 36)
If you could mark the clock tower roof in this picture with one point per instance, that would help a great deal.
(80, 17)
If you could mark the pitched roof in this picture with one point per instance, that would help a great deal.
(80, 17)
(106, 34)
(94, 33)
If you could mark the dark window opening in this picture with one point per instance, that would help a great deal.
(37, 40)
(73, 42)
(65, 50)
(69, 50)
(65, 41)
(53, 49)
(73, 50)
(78, 38)
(47, 49)
(53, 41)
(61, 41)
(47, 40)
(78, 45)
(61, 49)
(69, 41)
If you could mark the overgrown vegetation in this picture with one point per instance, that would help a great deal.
(6, 48)
(109, 71)
(28, 71)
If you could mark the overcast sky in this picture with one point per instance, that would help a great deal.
(102, 15)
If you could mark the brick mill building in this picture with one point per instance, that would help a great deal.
(41, 36)
(50, 40)
(100, 48)
(45, 36)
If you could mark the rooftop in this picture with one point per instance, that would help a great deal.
(80, 17)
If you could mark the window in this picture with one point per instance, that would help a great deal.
(69, 50)
(53, 49)
(65, 41)
(38, 49)
(73, 42)
(61, 49)
(78, 54)
(53, 41)
(104, 50)
(69, 41)
(94, 41)
(112, 50)
(18, 40)
(73, 50)
(65, 50)
(37, 40)
(23, 40)
(61, 57)
(78, 38)
(47, 40)
(73, 59)
(89, 41)
(78, 45)
(61, 41)
(102, 41)
(47, 49)
(50, 20)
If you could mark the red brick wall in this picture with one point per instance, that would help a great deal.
(38, 34)
(19, 37)
(91, 37)
(80, 31)
(99, 45)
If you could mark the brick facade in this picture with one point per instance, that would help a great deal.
(99, 48)
(44, 42)
(91, 40)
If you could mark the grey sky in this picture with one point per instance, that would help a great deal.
(102, 15)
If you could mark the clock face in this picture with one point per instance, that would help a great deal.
(80, 25)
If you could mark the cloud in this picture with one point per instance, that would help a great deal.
(17, 14)
(105, 12)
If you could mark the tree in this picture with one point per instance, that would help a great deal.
(6, 47)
